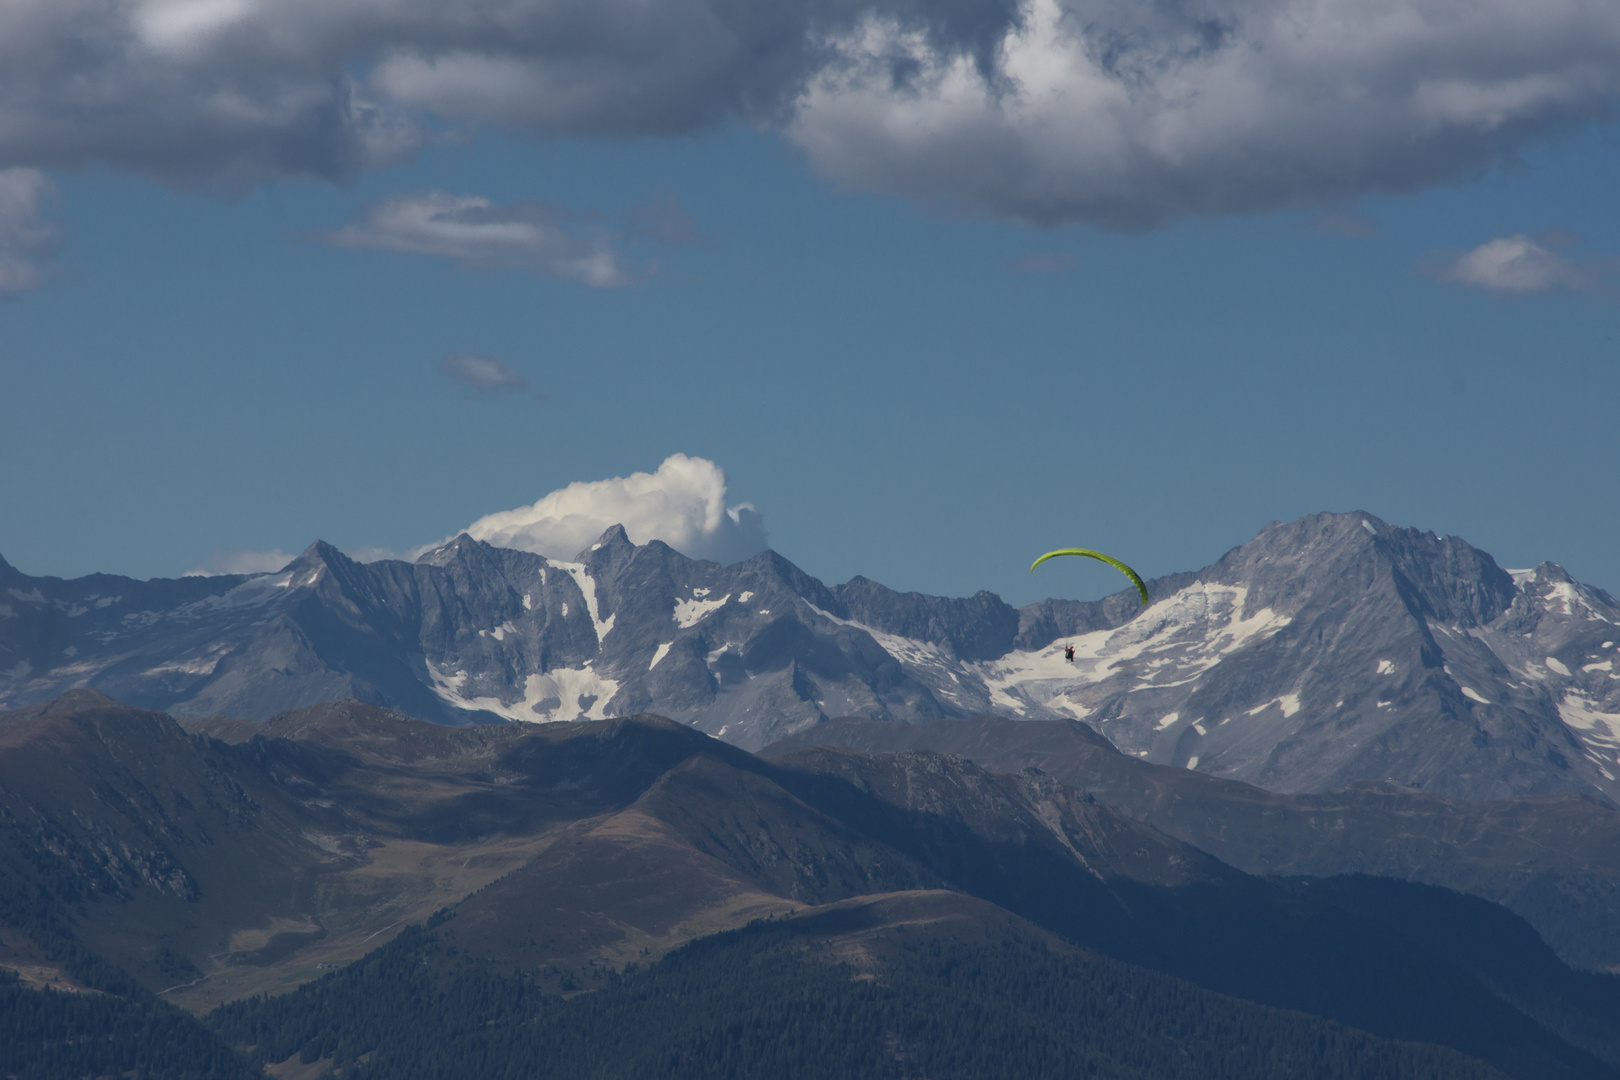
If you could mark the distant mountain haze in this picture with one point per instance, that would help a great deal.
(1327, 651)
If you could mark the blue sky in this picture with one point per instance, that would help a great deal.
(916, 361)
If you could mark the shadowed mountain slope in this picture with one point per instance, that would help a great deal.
(568, 850)
(1552, 859)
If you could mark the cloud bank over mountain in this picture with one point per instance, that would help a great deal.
(683, 504)
(1113, 112)
(242, 562)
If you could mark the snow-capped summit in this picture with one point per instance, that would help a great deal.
(1327, 650)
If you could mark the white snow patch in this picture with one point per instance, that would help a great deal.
(500, 632)
(662, 651)
(200, 665)
(1169, 719)
(1574, 603)
(1288, 702)
(1386, 667)
(744, 597)
(1192, 762)
(691, 612)
(1475, 695)
(1177, 639)
(1606, 665)
(1557, 665)
(528, 602)
(559, 690)
(1365, 524)
(260, 589)
(1606, 644)
(587, 588)
(1200, 729)
(1387, 704)
(32, 596)
(1598, 730)
(1521, 578)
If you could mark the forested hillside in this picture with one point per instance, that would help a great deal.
(823, 998)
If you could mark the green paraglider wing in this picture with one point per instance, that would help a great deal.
(1109, 559)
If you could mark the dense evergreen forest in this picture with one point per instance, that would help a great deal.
(57, 1035)
(115, 1027)
(771, 1002)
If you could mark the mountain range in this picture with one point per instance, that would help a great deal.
(421, 899)
(1327, 651)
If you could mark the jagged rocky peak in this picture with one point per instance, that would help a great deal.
(613, 543)
(1358, 553)
(980, 627)
(318, 557)
(447, 551)
(1327, 650)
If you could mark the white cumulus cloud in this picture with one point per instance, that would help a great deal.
(683, 504)
(1520, 264)
(479, 235)
(28, 242)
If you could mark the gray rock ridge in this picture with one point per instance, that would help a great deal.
(467, 633)
(1325, 651)
(1338, 648)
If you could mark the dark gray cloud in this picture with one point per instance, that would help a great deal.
(1128, 113)
(489, 373)
(479, 235)
(28, 241)
(1121, 113)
